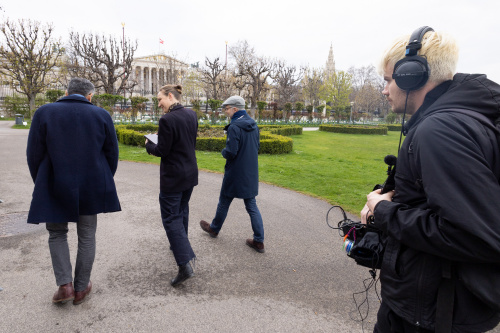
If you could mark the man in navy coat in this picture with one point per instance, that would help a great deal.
(72, 157)
(241, 176)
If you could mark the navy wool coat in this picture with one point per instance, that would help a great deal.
(72, 157)
(241, 172)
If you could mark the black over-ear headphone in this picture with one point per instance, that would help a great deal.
(412, 72)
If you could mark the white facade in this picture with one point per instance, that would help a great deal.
(153, 72)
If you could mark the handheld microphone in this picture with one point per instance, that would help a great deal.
(390, 182)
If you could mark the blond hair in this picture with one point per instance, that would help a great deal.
(440, 50)
(175, 90)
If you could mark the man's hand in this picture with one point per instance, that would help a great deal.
(373, 198)
(365, 213)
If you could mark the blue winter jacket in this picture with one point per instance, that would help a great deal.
(241, 176)
(72, 156)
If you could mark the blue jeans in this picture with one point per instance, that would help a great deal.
(253, 211)
(174, 208)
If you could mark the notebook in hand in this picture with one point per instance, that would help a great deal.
(152, 137)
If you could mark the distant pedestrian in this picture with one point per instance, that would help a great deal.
(241, 175)
(177, 132)
(72, 156)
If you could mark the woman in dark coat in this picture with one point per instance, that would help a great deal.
(177, 132)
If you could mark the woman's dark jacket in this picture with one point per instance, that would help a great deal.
(72, 156)
(446, 205)
(176, 146)
(241, 175)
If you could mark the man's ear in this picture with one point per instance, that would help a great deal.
(66, 93)
(89, 97)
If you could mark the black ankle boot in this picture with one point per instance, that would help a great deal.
(185, 272)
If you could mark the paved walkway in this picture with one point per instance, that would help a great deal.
(303, 283)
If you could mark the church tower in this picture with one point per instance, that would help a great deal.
(330, 64)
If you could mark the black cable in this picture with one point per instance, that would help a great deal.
(373, 283)
(403, 121)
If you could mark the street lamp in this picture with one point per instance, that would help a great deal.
(226, 57)
(123, 27)
(350, 117)
(123, 50)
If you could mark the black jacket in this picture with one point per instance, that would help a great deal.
(72, 155)
(176, 146)
(446, 204)
(241, 173)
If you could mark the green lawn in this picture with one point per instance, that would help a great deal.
(340, 168)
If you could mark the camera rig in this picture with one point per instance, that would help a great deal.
(364, 242)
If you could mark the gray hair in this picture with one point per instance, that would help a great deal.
(80, 86)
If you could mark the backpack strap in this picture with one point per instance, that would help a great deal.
(445, 299)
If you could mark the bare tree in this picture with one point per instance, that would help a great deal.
(286, 78)
(211, 77)
(368, 98)
(363, 75)
(106, 62)
(29, 56)
(311, 85)
(253, 69)
(367, 90)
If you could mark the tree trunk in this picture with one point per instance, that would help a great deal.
(31, 100)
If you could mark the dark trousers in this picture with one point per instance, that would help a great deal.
(174, 208)
(59, 251)
(389, 322)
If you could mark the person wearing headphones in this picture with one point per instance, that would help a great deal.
(441, 266)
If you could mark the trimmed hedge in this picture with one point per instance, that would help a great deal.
(150, 128)
(382, 130)
(275, 144)
(395, 128)
(269, 143)
(211, 144)
(285, 130)
(129, 136)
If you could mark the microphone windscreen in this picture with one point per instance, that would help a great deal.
(390, 160)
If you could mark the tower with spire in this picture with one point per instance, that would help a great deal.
(330, 64)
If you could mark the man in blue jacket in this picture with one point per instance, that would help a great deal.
(72, 156)
(241, 176)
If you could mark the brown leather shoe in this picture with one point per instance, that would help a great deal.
(206, 227)
(80, 295)
(64, 293)
(257, 246)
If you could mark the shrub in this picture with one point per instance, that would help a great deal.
(129, 137)
(271, 142)
(396, 128)
(275, 144)
(282, 130)
(53, 95)
(382, 130)
(150, 128)
(210, 143)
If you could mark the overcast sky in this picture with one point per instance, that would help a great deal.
(299, 32)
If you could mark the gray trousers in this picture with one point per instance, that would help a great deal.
(59, 251)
